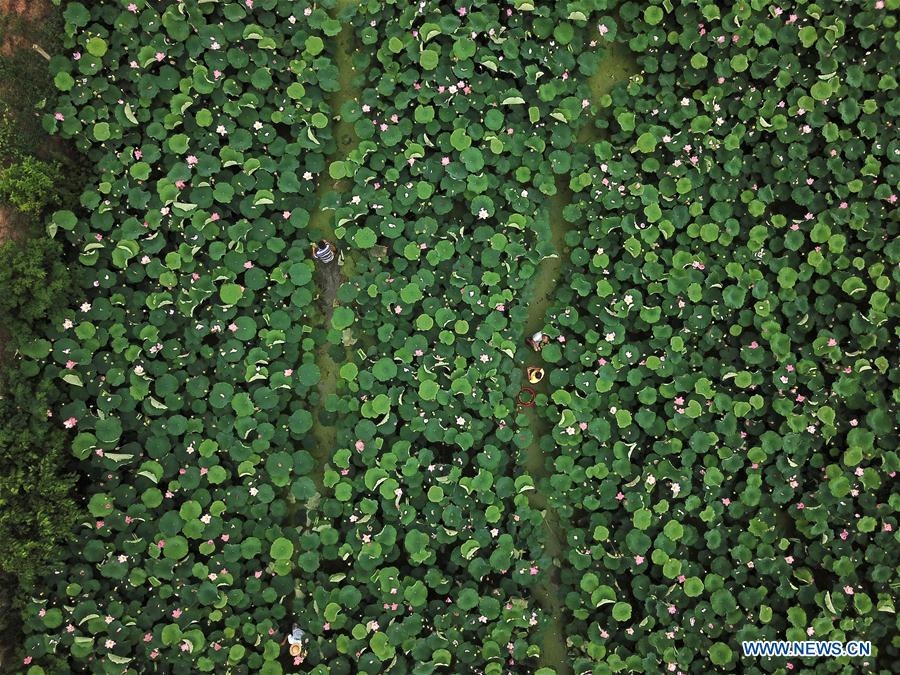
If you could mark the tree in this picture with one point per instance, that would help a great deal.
(33, 278)
(31, 185)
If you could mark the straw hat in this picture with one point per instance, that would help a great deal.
(296, 650)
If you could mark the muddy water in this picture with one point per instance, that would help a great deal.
(617, 66)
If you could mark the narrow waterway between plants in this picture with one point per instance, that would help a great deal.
(541, 294)
(322, 225)
(618, 65)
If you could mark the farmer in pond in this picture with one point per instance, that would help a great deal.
(297, 643)
(323, 251)
(538, 340)
(535, 374)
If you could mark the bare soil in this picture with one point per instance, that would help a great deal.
(13, 224)
(29, 13)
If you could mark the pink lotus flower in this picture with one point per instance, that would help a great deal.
(639, 560)
(59, 117)
(191, 160)
(69, 423)
(360, 446)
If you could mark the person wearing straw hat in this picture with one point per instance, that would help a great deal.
(535, 374)
(297, 642)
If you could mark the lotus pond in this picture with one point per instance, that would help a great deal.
(695, 201)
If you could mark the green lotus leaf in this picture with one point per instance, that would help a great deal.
(281, 549)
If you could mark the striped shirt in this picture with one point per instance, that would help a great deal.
(325, 255)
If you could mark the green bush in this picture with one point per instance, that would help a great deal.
(36, 507)
(31, 185)
(33, 278)
(37, 510)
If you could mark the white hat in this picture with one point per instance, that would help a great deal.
(537, 337)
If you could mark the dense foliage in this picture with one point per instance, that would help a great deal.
(30, 185)
(718, 422)
(731, 320)
(37, 509)
(34, 280)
